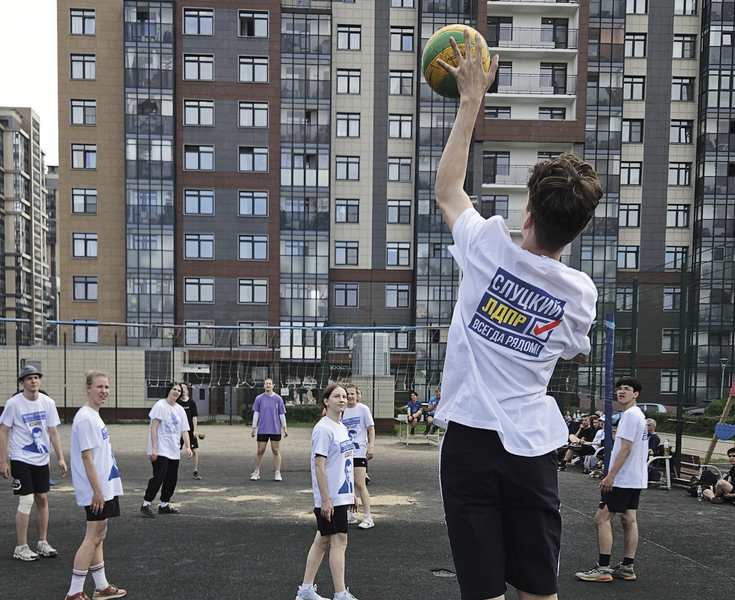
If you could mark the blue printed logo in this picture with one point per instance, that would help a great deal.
(34, 418)
(105, 433)
(346, 446)
(347, 485)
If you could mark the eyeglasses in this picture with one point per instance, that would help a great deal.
(624, 388)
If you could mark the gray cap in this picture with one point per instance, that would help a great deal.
(29, 370)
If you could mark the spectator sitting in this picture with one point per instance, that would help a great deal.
(414, 411)
(433, 403)
(584, 438)
(591, 462)
(724, 488)
(654, 449)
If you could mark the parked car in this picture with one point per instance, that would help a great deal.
(694, 410)
(644, 406)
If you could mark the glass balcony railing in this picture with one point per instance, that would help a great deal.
(531, 37)
(508, 175)
(526, 83)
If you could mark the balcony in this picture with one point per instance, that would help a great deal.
(315, 134)
(531, 37)
(542, 85)
(507, 176)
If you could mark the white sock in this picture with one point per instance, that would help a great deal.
(306, 586)
(342, 594)
(77, 582)
(146, 503)
(278, 472)
(164, 504)
(98, 572)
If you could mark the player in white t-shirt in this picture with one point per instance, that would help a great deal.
(519, 310)
(29, 419)
(332, 480)
(360, 426)
(621, 488)
(97, 487)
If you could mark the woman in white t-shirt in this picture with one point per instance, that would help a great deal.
(97, 487)
(332, 480)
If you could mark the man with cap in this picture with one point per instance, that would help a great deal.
(29, 420)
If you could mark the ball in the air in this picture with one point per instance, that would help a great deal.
(201, 436)
(438, 47)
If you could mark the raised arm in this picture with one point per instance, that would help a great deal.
(472, 82)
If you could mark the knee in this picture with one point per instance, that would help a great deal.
(627, 520)
(360, 485)
(276, 451)
(25, 503)
(261, 451)
(601, 518)
(41, 500)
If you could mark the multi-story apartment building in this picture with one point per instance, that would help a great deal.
(273, 164)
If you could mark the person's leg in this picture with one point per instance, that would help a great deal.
(362, 489)
(337, 561)
(90, 552)
(169, 482)
(630, 533)
(603, 519)
(722, 487)
(276, 449)
(315, 556)
(195, 458)
(41, 515)
(259, 455)
(429, 421)
(527, 596)
(160, 466)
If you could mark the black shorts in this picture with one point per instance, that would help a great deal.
(338, 524)
(264, 437)
(360, 462)
(29, 479)
(109, 510)
(502, 514)
(620, 500)
(193, 442)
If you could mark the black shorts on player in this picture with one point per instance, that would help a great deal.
(29, 479)
(109, 510)
(502, 515)
(338, 524)
(193, 442)
(264, 437)
(361, 462)
(620, 499)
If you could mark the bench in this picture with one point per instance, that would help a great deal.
(419, 437)
(691, 465)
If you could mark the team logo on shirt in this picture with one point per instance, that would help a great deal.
(517, 315)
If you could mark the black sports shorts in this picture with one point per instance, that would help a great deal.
(264, 437)
(502, 514)
(338, 524)
(109, 510)
(29, 479)
(361, 462)
(620, 499)
(193, 442)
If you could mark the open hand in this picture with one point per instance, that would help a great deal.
(472, 80)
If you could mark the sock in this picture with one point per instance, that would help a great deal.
(413, 429)
(562, 462)
(306, 586)
(164, 504)
(367, 516)
(146, 503)
(628, 561)
(98, 572)
(77, 582)
(342, 594)
(256, 471)
(604, 560)
(278, 472)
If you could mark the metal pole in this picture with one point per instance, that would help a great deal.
(593, 367)
(682, 367)
(65, 377)
(723, 364)
(229, 381)
(374, 336)
(609, 372)
(116, 396)
(634, 329)
(17, 354)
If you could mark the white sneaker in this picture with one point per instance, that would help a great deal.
(347, 596)
(45, 549)
(367, 522)
(309, 594)
(351, 518)
(254, 476)
(25, 553)
(278, 476)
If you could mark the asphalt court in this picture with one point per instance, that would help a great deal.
(246, 540)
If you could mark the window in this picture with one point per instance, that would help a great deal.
(254, 159)
(84, 245)
(253, 291)
(623, 340)
(676, 257)
(86, 334)
(198, 21)
(685, 7)
(198, 202)
(680, 173)
(346, 295)
(348, 124)
(82, 21)
(636, 7)
(633, 131)
(199, 158)
(669, 340)
(253, 204)
(401, 83)
(346, 211)
(505, 74)
(627, 257)
(84, 112)
(348, 81)
(669, 381)
(399, 211)
(672, 298)
(497, 112)
(401, 3)
(253, 23)
(624, 299)
(400, 126)
(349, 37)
(633, 88)
(253, 114)
(348, 168)
(199, 289)
(199, 67)
(677, 215)
(681, 132)
(630, 173)
(397, 295)
(635, 45)
(682, 89)
(84, 156)
(85, 289)
(551, 114)
(199, 245)
(253, 337)
(198, 112)
(399, 169)
(253, 69)
(685, 46)
(83, 66)
(345, 253)
(399, 254)
(199, 333)
(629, 215)
(253, 247)
(500, 29)
(83, 201)
(401, 39)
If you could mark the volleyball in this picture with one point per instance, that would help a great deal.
(201, 436)
(438, 47)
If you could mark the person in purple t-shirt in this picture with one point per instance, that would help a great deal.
(269, 417)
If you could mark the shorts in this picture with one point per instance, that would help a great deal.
(264, 437)
(338, 524)
(620, 500)
(360, 462)
(502, 514)
(29, 479)
(109, 510)
(193, 442)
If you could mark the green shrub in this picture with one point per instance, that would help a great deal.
(715, 408)
(300, 413)
(701, 425)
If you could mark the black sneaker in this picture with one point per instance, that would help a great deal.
(168, 510)
(196, 475)
(147, 511)
(561, 467)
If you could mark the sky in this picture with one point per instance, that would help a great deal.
(28, 74)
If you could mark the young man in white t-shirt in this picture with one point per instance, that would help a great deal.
(361, 428)
(621, 488)
(519, 309)
(29, 419)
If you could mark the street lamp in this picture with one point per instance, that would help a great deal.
(723, 364)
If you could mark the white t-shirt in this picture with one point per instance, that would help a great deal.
(88, 432)
(632, 427)
(29, 421)
(357, 419)
(173, 423)
(331, 439)
(599, 439)
(516, 314)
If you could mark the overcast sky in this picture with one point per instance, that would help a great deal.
(28, 72)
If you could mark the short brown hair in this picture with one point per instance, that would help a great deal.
(563, 194)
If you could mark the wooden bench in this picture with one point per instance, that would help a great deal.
(692, 466)
(418, 438)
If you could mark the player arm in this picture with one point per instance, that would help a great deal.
(371, 441)
(98, 498)
(608, 482)
(55, 438)
(4, 466)
(282, 416)
(320, 470)
(256, 414)
(154, 437)
(187, 442)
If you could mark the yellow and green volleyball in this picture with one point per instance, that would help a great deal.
(438, 47)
